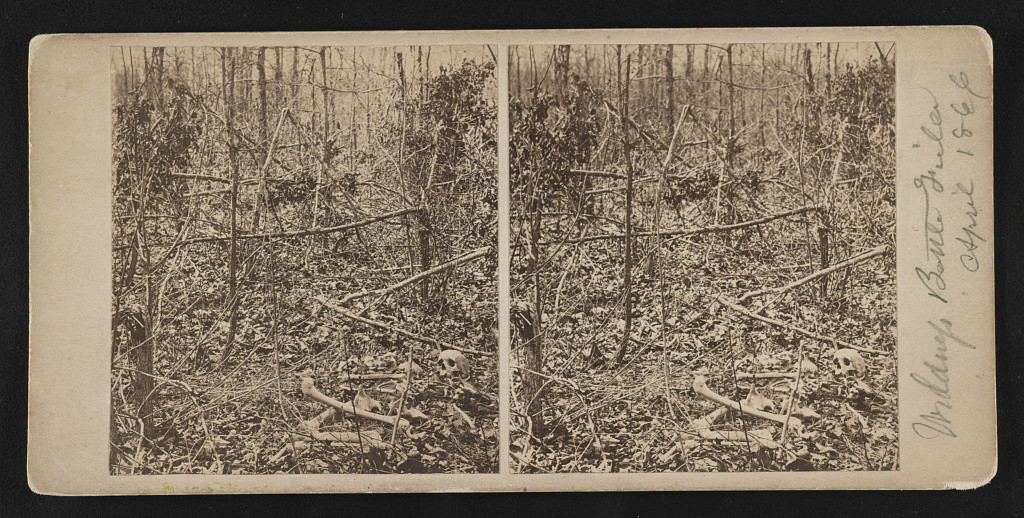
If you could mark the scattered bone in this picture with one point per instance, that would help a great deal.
(369, 437)
(411, 413)
(757, 401)
(700, 386)
(764, 375)
(465, 417)
(416, 369)
(453, 363)
(363, 401)
(312, 393)
(291, 447)
(704, 425)
(373, 376)
(808, 367)
(850, 362)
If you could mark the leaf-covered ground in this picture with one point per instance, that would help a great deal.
(242, 419)
(639, 416)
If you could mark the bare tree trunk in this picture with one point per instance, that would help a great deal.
(158, 89)
(139, 342)
(534, 338)
(881, 55)
(278, 74)
(705, 77)
(261, 84)
(730, 149)
(229, 85)
(670, 86)
(809, 70)
(640, 51)
(627, 268)
(326, 150)
(828, 69)
(561, 72)
(760, 118)
(324, 144)
(124, 67)
(355, 108)
(295, 72)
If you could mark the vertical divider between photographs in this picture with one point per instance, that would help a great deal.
(504, 332)
(504, 344)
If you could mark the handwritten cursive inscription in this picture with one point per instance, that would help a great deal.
(949, 126)
(969, 238)
(935, 378)
(931, 276)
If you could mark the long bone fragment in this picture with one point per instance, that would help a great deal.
(700, 386)
(312, 393)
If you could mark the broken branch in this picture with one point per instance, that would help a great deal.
(816, 275)
(778, 323)
(698, 230)
(475, 254)
(381, 325)
(308, 232)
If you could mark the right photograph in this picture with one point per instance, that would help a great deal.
(703, 258)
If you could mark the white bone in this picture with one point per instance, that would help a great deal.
(849, 362)
(452, 362)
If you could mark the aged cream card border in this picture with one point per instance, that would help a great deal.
(946, 349)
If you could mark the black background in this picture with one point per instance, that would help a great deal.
(21, 20)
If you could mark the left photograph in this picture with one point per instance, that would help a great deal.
(304, 255)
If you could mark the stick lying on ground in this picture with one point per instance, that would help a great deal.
(700, 387)
(312, 393)
(765, 375)
(778, 323)
(300, 442)
(475, 254)
(373, 376)
(370, 438)
(381, 325)
(693, 231)
(816, 275)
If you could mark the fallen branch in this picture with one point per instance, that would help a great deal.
(601, 174)
(311, 392)
(308, 232)
(475, 254)
(373, 376)
(765, 375)
(778, 323)
(220, 179)
(816, 275)
(700, 387)
(381, 325)
(206, 177)
(694, 231)
(370, 438)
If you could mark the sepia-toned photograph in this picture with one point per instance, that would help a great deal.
(304, 260)
(703, 272)
(508, 260)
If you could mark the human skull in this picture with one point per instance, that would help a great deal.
(850, 362)
(452, 363)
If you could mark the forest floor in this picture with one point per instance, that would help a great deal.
(639, 416)
(243, 418)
